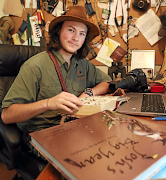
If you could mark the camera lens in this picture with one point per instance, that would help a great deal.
(126, 83)
(134, 81)
(141, 4)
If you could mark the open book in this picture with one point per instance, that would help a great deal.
(95, 104)
(106, 145)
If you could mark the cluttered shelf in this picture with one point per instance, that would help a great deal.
(99, 16)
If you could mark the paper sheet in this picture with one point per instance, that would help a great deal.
(16, 39)
(154, 3)
(35, 28)
(58, 10)
(27, 4)
(33, 43)
(13, 7)
(133, 31)
(106, 50)
(149, 25)
(143, 59)
(1, 9)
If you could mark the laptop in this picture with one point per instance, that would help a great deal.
(140, 104)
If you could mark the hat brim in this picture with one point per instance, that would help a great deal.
(93, 29)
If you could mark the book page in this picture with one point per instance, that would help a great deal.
(149, 25)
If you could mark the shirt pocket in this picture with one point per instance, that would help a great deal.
(48, 92)
(79, 85)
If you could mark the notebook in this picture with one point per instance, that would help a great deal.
(144, 104)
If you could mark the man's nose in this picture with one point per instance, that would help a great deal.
(76, 36)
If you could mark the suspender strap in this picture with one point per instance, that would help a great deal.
(58, 71)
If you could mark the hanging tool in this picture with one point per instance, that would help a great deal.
(49, 5)
(75, 2)
(23, 2)
(42, 40)
(109, 12)
(43, 21)
(39, 12)
(31, 8)
(29, 36)
(119, 26)
(6, 25)
(158, 5)
(101, 25)
(64, 5)
(89, 9)
(128, 56)
(21, 30)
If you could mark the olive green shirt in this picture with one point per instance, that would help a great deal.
(38, 80)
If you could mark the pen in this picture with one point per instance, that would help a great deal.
(159, 118)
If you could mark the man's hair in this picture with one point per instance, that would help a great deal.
(55, 44)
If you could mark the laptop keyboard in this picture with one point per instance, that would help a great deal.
(153, 103)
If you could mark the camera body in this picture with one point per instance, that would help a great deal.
(135, 81)
(141, 4)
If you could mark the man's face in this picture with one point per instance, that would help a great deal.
(72, 36)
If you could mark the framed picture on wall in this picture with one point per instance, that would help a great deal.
(144, 59)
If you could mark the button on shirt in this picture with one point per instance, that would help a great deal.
(38, 80)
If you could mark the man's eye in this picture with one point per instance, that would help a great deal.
(83, 34)
(71, 30)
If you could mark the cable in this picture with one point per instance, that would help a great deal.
(128, 24)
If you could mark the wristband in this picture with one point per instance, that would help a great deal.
(47, 104)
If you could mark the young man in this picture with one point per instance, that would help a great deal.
(36, 97)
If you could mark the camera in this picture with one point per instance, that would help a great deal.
(115, 69)
(135, 81)
(141, 4)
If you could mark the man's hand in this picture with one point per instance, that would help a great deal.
(83, 95)
(65, 102)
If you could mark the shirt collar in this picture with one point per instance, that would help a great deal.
(61, 61)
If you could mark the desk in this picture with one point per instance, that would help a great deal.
(49, 173)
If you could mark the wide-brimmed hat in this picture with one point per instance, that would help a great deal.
(76, 13)
(162, 31)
